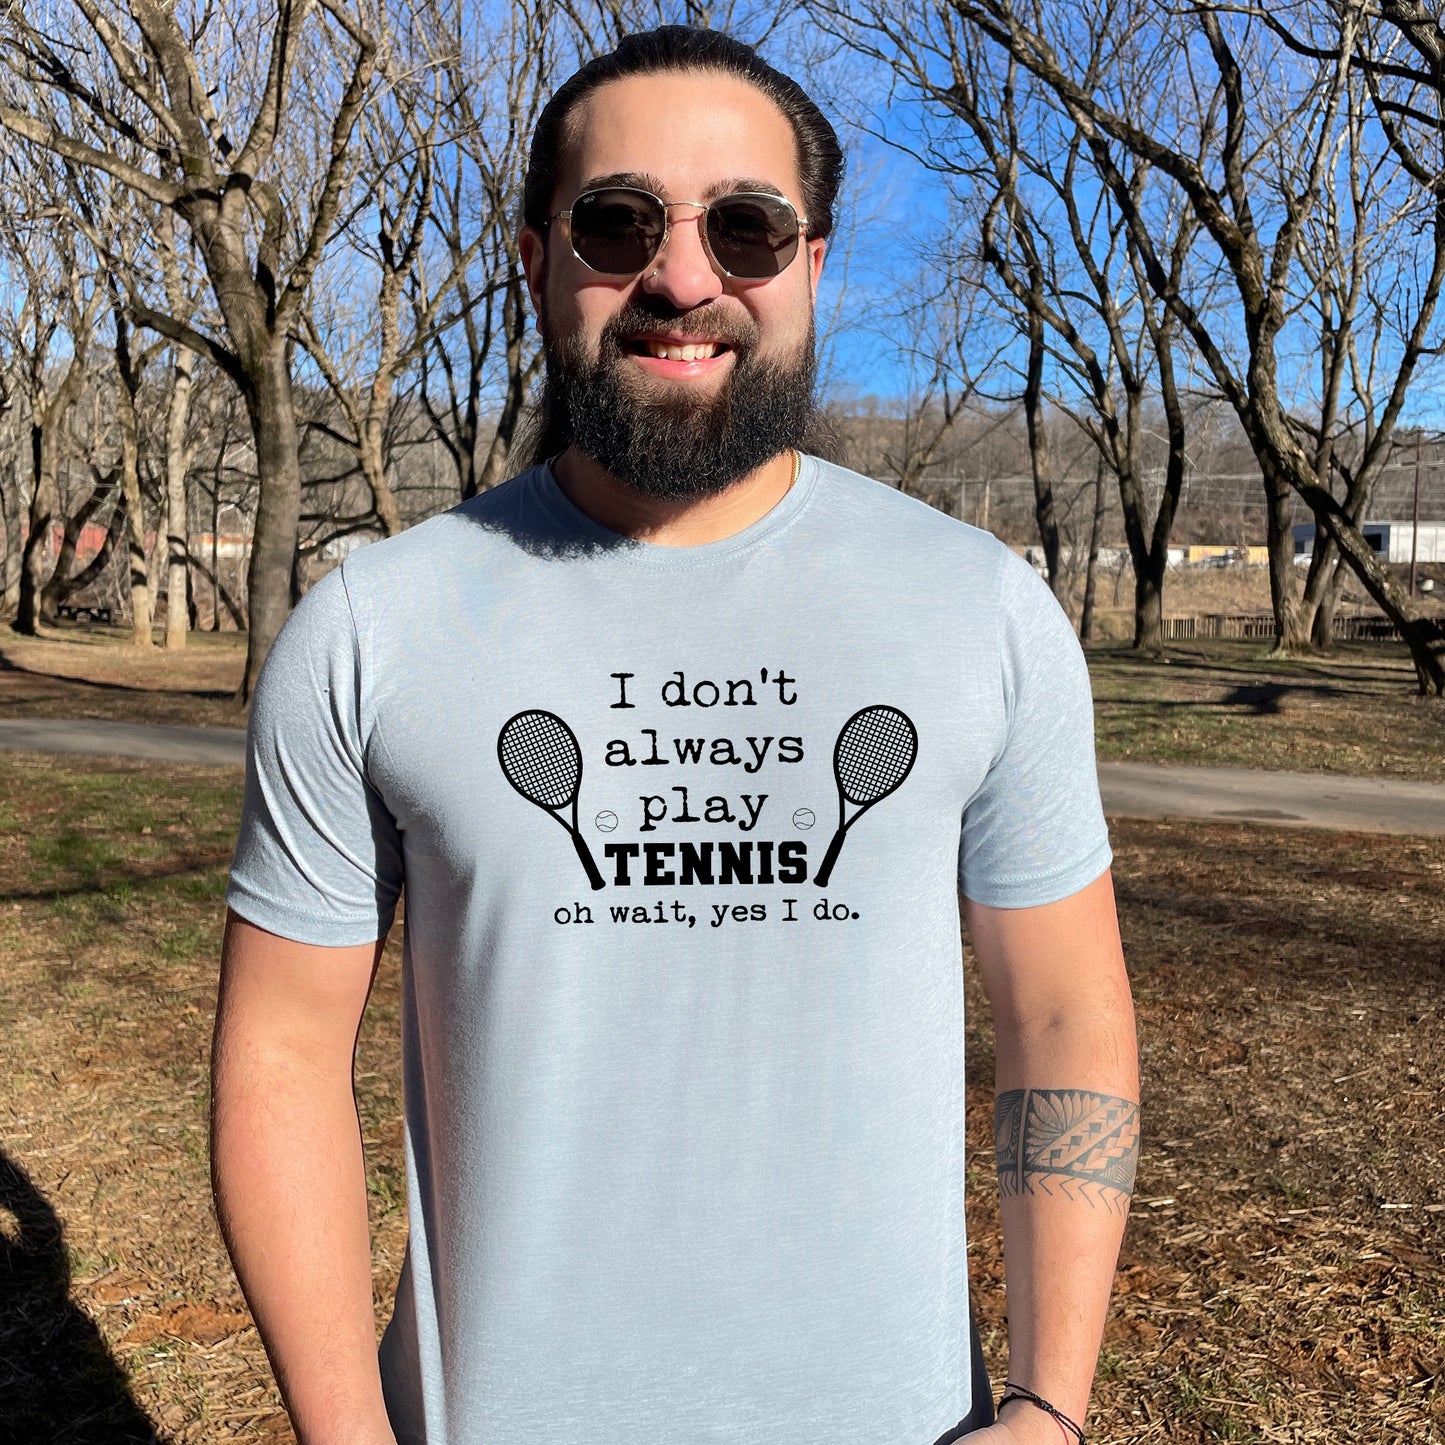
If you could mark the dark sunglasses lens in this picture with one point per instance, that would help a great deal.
(617, 231)
(752, 236)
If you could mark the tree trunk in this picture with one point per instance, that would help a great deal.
(373, 467)
(1039, 455)
(1149, 603)
(278, 508)
(135, 524)
(216, 560)
(61, 583)
(1322, 577)
(1424, 635)
(1091, 576)
(129, 375)
(1291, 629)
(519, 377)
(33, 570)
(46, 427)
(1322, 622)
(14, 542)
(95, 568)
(177, 513)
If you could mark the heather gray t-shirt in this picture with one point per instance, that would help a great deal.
(685, 1151)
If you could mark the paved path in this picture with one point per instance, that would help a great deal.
(1315, 800)
(1131, 790)
(163, 742)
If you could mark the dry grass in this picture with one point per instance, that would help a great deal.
(93, 672)
(1282, 1275)
(1214, 702)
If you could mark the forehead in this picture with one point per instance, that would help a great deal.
(693, 131)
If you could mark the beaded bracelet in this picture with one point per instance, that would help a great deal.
(1018, 1392)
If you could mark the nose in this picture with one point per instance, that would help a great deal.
(682, 270)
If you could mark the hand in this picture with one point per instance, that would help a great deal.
(1020, 1424)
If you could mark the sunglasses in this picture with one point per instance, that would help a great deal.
(619, 231)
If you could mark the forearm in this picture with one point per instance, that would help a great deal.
(1067, 1141)
(290, 1191)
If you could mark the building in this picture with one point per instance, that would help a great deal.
(1392, 541)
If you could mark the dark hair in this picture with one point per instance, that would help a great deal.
(688, 47)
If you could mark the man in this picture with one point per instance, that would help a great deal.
(682, 746)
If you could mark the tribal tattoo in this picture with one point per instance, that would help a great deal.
(1067, 1141)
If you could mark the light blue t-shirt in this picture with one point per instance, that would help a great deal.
(685, 1150)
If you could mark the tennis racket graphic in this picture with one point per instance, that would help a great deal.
(540, 757)
(874, 753)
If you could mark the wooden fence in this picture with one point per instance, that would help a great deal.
(1349, 627)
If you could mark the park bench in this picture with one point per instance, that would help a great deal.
(82, 612)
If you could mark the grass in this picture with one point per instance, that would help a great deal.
(94, 672)
(1228, 702)
(1222, 703)
(1282, 1272)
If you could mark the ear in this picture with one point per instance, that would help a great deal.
(816, 249)
(532, 248)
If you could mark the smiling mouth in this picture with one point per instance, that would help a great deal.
(675, 350)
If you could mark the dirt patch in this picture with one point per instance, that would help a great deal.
(1280, 1279)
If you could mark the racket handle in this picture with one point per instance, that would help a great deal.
(588, 862)
(824, 873)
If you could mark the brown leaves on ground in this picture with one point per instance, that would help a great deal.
(1281, 1279)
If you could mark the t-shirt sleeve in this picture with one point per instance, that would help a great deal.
(1034, 832)
(318, 858)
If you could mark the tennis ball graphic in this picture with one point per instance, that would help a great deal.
(606, 821)
(804, 818)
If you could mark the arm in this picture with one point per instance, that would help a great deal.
(286, 1167)
(1067, 1069)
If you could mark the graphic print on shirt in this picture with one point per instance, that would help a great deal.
(874, 753)
(540, 757)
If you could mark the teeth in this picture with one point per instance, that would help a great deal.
(693, 351)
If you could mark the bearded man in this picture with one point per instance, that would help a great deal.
(683, 743)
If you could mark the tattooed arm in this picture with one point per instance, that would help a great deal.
(1067, 1123)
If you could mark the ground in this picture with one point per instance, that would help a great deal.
(1281, 1276)
(1221, 702)
(91, 672)
(1229, 703)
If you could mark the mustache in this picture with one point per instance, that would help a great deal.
(711, 323)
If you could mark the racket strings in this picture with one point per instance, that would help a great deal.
(875, 751)
(541, 759)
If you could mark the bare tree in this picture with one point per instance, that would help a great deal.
(482, 357)
(61, 297)
(1256, 234)
(951, 348)
(144, 111)
(1093, 339)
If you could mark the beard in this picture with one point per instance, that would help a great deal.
(659, 439)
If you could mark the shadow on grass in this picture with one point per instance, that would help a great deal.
(1340, 673)
(1261, 698)
(8, 664)
(59, 1383)
(99, 883)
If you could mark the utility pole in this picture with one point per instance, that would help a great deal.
(1415, 529)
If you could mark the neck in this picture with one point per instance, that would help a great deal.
(593, 490)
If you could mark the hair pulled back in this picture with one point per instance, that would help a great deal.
(688, 47)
